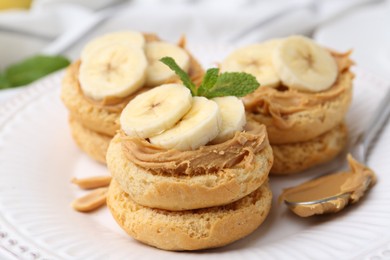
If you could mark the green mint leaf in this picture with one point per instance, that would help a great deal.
(4, 82)
(171, 63)
(208, 81)
(237, 84)
(34, 68)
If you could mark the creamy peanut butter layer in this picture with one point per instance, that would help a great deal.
(239, 151)
(282, 101)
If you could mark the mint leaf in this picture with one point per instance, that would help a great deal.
(181, 73)
(208, 81)
(33, 68)
(237, 84)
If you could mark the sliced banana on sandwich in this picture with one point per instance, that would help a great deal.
(157, 72)
(254, 59)
(233, 117)
(131, 38)
(156, 110)
(304, 65)
(198, 127)
(117, 71)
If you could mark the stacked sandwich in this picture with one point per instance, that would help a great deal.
(306, 91)
(112, 70)
(189, 172)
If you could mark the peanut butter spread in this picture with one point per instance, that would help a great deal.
(239, 151)
(337, 189)
(282, 101)
(117, 104)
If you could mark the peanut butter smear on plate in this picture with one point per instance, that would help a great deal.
(330, 193)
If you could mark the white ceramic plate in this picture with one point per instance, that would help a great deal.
(38, 158)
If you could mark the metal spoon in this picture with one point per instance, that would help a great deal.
(358, 149)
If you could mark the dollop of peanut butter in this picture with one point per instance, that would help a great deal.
(330, 193)
(279, 102)
(239, 151)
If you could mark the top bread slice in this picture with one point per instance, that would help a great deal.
(182, 192)
(311, 122)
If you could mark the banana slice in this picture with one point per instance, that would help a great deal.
(200, 125)
(157, 72)
(254, 59)
(116, 70)
(304, 65)
(233, 117)
(156, 110)
(131, 38)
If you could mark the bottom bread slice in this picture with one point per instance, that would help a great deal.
(92, 143)
(190, 229)
(297, 157)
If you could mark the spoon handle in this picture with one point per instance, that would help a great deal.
(376, 123)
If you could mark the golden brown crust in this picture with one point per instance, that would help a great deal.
(91, 142)
(192, 229)
(294, 158)
(179, 192)
(293, 116)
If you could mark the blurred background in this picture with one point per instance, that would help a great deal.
(62, 27)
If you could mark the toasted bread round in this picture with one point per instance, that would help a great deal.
(311, 122)
(294, 158)
(91, 142)
(182, 192)
(191, 229)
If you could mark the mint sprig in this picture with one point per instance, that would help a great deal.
(237, 84)
(181, 73)
(208, 82)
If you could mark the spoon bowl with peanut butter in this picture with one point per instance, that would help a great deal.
(331, 193)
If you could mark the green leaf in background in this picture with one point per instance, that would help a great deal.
(181, 73)
(32, 69)
(4, 82)
(208, 81)
(237, 84)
